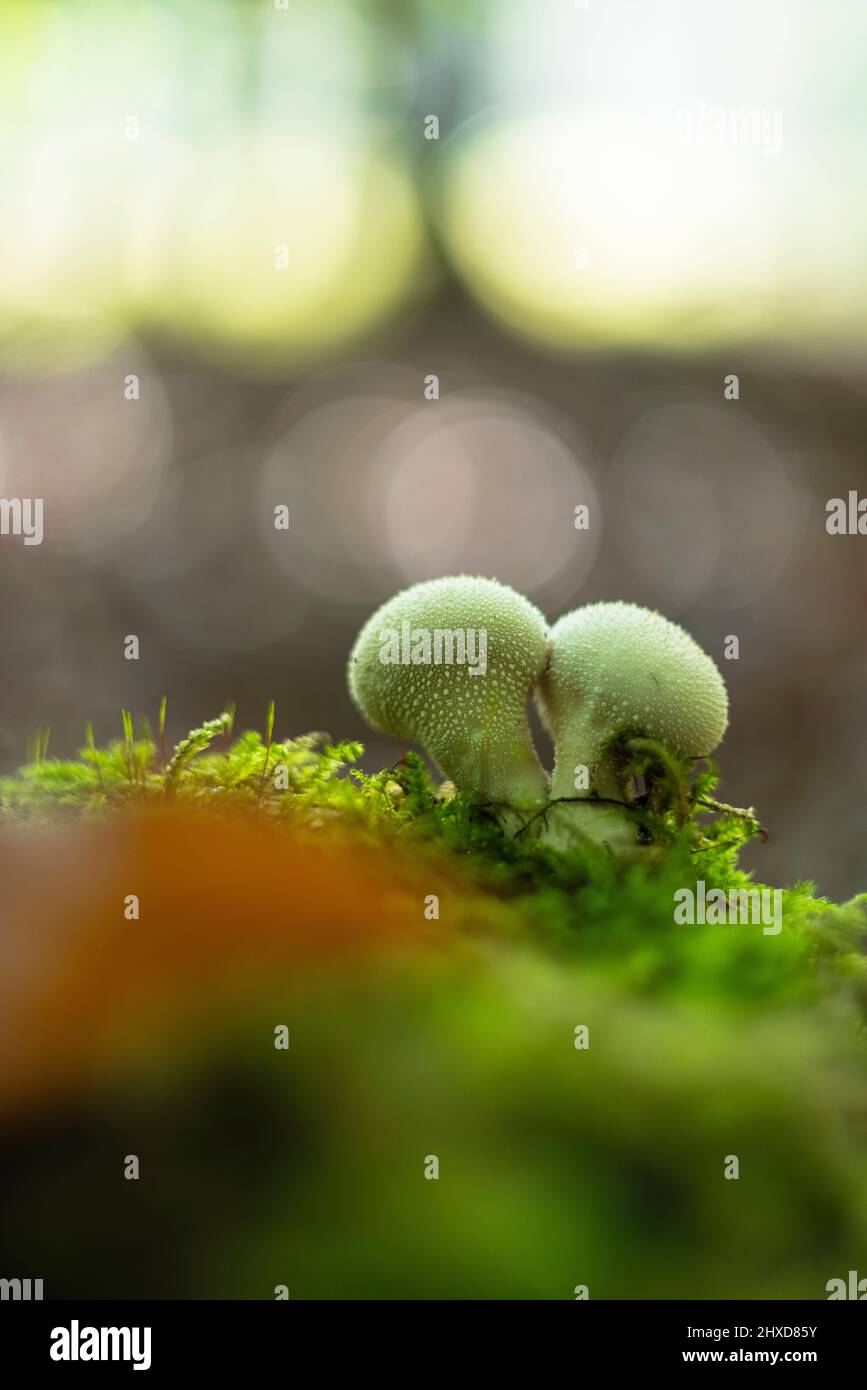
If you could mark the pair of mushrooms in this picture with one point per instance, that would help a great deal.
(598, 670)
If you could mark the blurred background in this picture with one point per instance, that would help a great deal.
(431, 275)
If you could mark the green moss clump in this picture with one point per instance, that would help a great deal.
(615, 916)
(559, 1166)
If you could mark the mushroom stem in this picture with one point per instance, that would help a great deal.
(568, 822)
(500, 762)
(514, 782)
(586, 749)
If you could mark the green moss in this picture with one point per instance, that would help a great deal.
(558, 1166)
(292, 778)
(305, 779)
(615, 916)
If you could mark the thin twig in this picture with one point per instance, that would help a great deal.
(739, 811)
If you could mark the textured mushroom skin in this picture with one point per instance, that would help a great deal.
(614, 666)
(473, 725)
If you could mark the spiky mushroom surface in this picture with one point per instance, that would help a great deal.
(616, 666)
(470, 714)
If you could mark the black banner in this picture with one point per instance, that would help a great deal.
(222, 1338)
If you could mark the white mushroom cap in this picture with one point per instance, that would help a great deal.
(616, 666)
(473, 724)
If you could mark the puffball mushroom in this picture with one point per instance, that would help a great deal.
(615, 666)
(450, 663)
